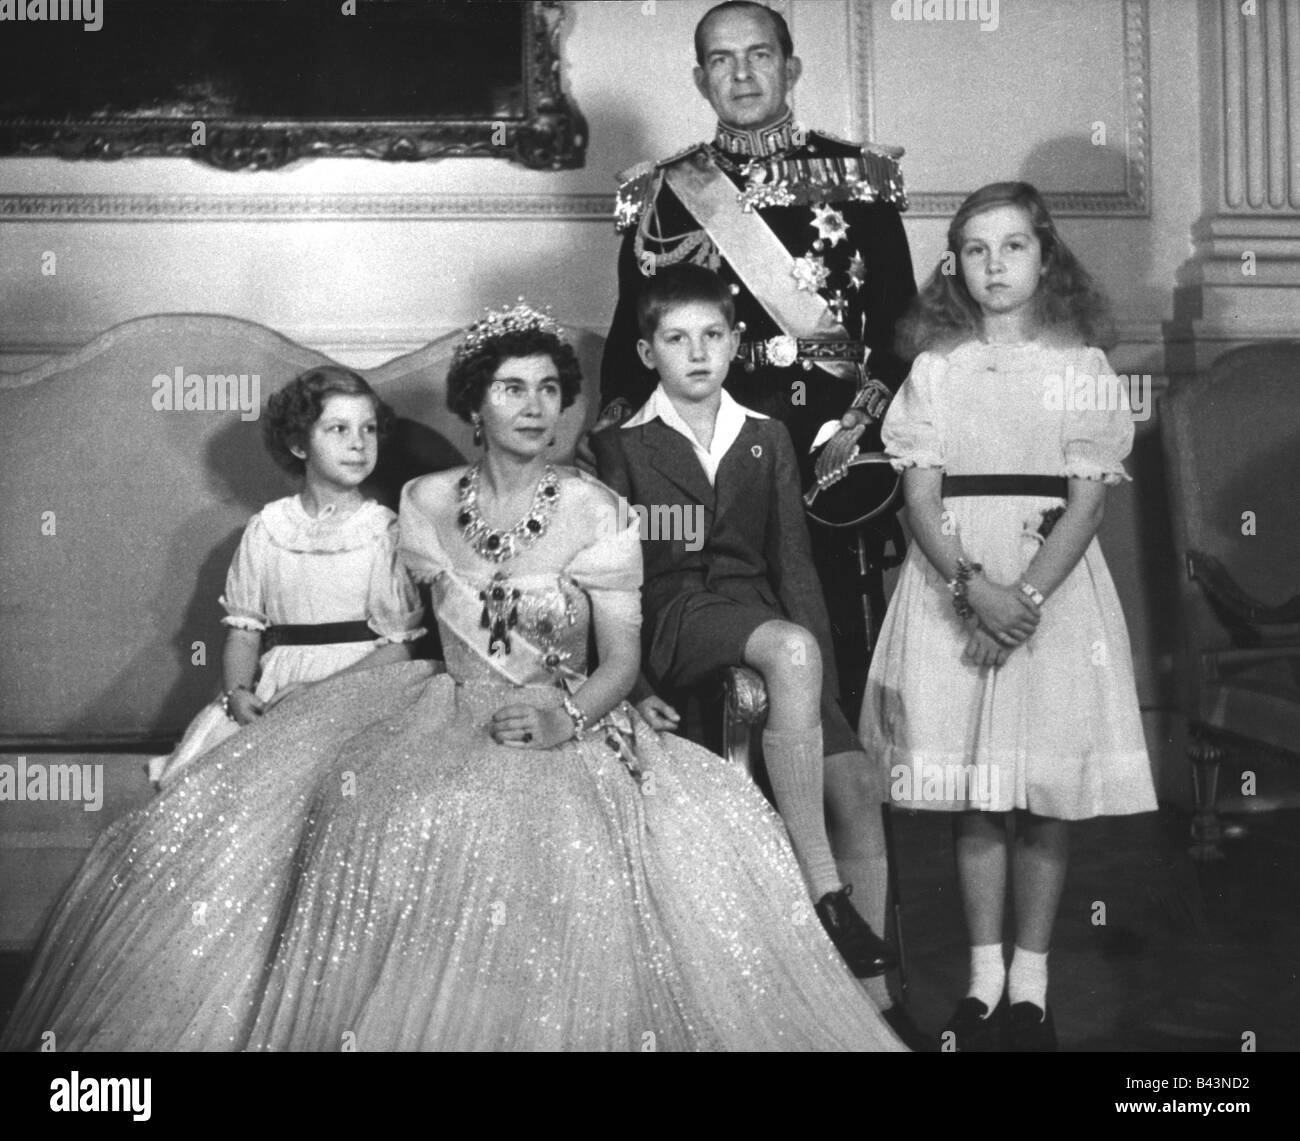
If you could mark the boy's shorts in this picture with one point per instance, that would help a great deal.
(712, 635)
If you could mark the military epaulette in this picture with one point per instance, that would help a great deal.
(883, 172)
(867, 148)
(685, 152)
(633, 185)
(638, 184)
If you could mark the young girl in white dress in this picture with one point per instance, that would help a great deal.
(314, 587)
(1002, 688)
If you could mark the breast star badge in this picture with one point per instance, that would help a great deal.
(809, 273)
(829, 224)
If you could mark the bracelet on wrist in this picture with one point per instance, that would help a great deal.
(1032, 593)
(225, 699)
(576, 715)
(959, 585)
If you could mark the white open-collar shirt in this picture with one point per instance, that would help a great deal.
(726, 430)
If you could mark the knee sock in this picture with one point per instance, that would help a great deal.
(1028, 979)
(988, 974)
(794, 766)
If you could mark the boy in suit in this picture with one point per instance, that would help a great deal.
(747, 594)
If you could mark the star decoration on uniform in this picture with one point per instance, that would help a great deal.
(829, 224)
(809, 273)
(857, 270)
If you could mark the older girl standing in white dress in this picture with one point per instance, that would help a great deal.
(1002, 686)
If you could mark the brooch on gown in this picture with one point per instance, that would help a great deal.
(544, 617)
(500, 612)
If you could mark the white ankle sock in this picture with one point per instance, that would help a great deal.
(1028, 979)
(988, 974)
(795, 768)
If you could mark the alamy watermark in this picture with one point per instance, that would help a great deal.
(89, 13)
(982, 12)
(215, 392)
(1110, 392)
(943, 782)
(665, 522)
(35, 781)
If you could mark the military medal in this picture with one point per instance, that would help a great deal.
(809, 273)
(829, 224)
(857, 270)
(839, 305)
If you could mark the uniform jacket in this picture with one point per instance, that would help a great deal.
(855, 192)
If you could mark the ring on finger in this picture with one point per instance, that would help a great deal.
(527, 737)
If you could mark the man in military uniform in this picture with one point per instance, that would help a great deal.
(805, 228)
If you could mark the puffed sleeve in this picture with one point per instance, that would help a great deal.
(609, 570)
(911, 433)
(419, 552)
(393, 608)
(246, 588)
(1095, 441)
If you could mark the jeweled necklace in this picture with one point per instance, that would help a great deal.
(497, 546)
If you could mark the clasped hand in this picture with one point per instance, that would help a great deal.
(1004, 618)
(527, 727)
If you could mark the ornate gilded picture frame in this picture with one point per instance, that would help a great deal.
(259, 84)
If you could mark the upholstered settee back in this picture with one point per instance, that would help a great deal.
(120, 512)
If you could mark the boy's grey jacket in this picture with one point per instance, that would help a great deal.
(755, 549)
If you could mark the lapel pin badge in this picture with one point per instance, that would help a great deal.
(756, 451)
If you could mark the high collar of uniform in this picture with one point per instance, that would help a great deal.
(761, 143)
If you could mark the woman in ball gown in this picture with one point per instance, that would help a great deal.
(503, 856)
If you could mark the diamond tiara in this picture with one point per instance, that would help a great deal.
(498, 322)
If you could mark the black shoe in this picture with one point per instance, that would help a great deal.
(866, 954)
(1030, 1029)
(900, 1022)
(972, 1030)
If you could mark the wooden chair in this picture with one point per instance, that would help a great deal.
(1232, 449)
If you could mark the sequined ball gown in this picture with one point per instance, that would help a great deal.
(370, 870)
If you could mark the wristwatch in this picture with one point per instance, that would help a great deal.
(1032, 593)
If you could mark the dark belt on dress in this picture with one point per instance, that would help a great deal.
(1055, 486)
(784, 351)
(317, 634)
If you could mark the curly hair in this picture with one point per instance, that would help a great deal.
(469, 376)
(1067, 300)
(291, 412)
